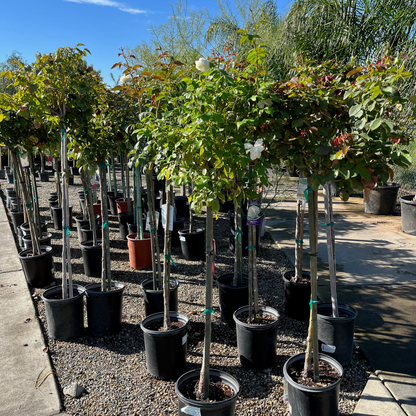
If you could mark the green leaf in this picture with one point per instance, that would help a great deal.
(323, 150)
(216, 205)
(365, 174)
(297, 123)
(412, 99)
(376, 124)
(360, 124)
(354, 110)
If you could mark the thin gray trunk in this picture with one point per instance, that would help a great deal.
(313, 253)
(113, 167)
(330, 242)
(167, 257)
(35, 198)
(42, 163)
(203, 385)
(238, 245)
(106, 265)
(122, 176)
(128, 187)
(139, 206)
(254, 265)
(86, 184)
(299, 241)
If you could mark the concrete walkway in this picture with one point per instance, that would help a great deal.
(376, 274)
(27, 384)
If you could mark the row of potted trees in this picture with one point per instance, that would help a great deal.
(217, 129)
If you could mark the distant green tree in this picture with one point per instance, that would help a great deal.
(9, 65)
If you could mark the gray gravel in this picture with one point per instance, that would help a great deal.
(112, 369)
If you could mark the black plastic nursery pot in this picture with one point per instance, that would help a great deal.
(312, 401)
(17, 219)
(104, 309)
(153, 299)
(20, 236)
(112, 201)
(10, 178)
(79, 221)
(297, 296)
(244, 240)
(86, 232)
(44, 241)
(193, 244)
(2, 173)
(124, 218)
(91, 256)
(382, 200)
(336, 335)
(57, 217)
(189, 406)
(231, 297)
(64, 317)
(26, 228)
(182, 206)
(44, 176)
(165, 350)
(257, 343)
(39, 269)
(408, 214)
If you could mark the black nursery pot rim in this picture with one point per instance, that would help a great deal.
(45, 250)
(77, 290)
(89, 245)
(156, 317)
(221, 375)
(231, 276)
(150, 281)
(292, 273)
(298, 357)
(407, 199)
(45, 234)
(264, 309)
(185, 233)
(91, 289)
(325, 312)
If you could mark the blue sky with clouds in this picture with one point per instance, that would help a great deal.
(103, 26)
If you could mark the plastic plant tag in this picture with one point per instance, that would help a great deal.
(190, 410)
(184, 339)
(182, 238)
(147, 228)
(25, 161)
(302, 187)
(50, 158)
(253, 213)
(328, 348)
(164, 217)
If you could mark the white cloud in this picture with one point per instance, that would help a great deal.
(109, 3)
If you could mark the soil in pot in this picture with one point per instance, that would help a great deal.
(231, 297)
(91, 256)
(297, 295)
(382, 200)
(153, 299)
(223, 394)
(165, 350)
(39, 269)
(193, 244)
(256, 342)
(104, 309)
(64, 317)
(308, 400)
(336, 335)
(140, 251)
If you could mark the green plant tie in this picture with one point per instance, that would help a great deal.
(103, 165)
(63, 134)
(308, 188)
(28, 206)
(250, 247)
(105, 224)
(312, 302)
(87, 190)
(237, 233)
(67, 230)
(36, 199)
(168, 256)
(14, 180)
(327, 225)
(153, 230)
(17, 152)
(299, 241)
(208, 311)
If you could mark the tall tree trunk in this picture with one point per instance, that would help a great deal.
(299, 240)
(203, 385)
(167, 258)
(330, 243)
(86, 184)
(139, 207)
(105, 263)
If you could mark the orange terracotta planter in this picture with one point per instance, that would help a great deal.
(140, 252)
(122, 205)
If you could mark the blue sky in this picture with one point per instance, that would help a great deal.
(103, 26)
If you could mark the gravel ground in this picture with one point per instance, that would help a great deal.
(112, 369)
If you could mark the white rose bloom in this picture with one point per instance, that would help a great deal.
(202, 65)
(255, 151)
(123, 79)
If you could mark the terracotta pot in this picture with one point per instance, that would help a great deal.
(140, 252)
(97, 211)
(122, 205)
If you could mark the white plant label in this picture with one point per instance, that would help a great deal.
(184, 339)
(328, 348)
(172, 210)
(190, 410)
(302, 188)
(182, 238)
(148, 221)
